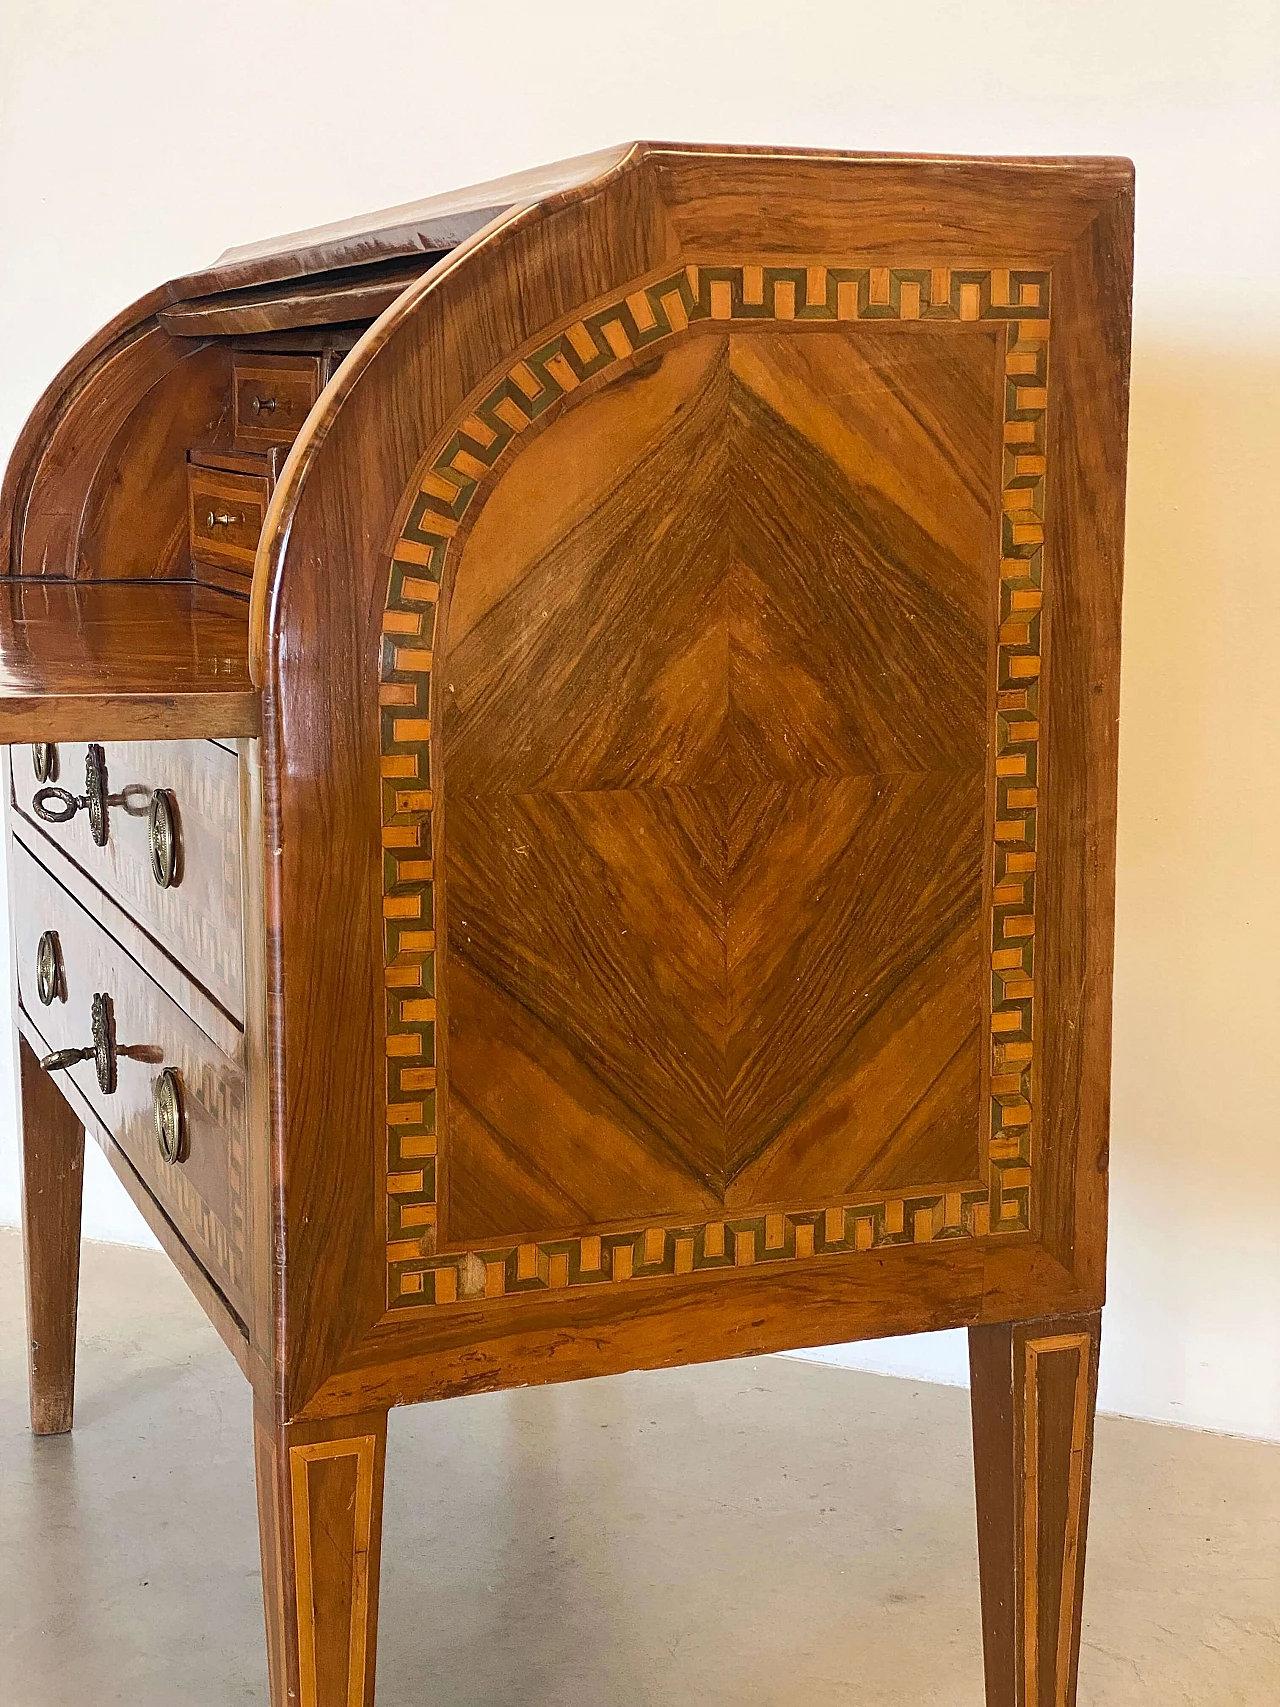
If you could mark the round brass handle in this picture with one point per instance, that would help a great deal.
(213, 520)
(49, 980)
(59, 805)
(163, 838)
(170, 1116)
(261, 403)
(44, 760)
(102, 1051)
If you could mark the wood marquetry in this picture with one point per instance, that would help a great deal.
(1049, 1626)
(198, 917)
(307, 1464)
(1034, 1390)
(320, 1499)
(207, 1196)
(619, 341)
(596, 703)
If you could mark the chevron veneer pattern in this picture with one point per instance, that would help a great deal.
(734, 1233)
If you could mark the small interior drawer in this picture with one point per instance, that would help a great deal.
(225, 514)
(273, 396)
(203, 1190)
(197, 916)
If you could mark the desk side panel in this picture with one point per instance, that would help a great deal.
(383, 451)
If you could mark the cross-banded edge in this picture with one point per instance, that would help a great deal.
(1078, 1346)
(363, 1448)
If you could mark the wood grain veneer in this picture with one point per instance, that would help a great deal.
(206, 1195)
(199, 918)
(272, 396)
(120, 659)
(1034, 1390)
(52, 1186)
(225, 513)
(667, 780)
(739, 790)
(337, 299)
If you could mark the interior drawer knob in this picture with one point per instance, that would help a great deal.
(102, 1051)
(171, 1120)
(163, 837)
(221, 519)
(261, 404)
(44, 760)
(59, 805)
(49, 979)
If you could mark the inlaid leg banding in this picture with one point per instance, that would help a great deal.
(320, 1520)
(1034, 1390)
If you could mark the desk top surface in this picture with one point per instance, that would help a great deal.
(101, 660)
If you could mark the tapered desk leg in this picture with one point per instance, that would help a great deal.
(320, 1521)
(1034, 1387)
(52, 1186)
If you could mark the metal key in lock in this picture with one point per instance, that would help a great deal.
(59, 806)
(102, 1051)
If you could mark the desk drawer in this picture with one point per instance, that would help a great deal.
(224, 514)
(273, 396)
(198, 918)
(204, 1193)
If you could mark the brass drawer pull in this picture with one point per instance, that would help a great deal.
(171, 1120)
(102, 1051)
(44, 760)
(163, 837)
(50, 982)
(59, 805)
(261, 403)
(226, 520)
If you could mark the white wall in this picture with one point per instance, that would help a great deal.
(140, 138)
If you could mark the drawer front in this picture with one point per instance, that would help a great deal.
(199, 918)
(204, 1195)
(273, 396)
(224, 514)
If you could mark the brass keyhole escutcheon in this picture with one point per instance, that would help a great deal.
(49, 980)
(95, 788)
(171, 1120)
(163, 836)
(44, 760)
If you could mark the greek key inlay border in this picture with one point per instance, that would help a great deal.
(485, 430)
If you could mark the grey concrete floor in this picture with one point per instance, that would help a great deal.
(751, 1534)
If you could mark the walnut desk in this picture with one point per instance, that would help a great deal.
(561, 813)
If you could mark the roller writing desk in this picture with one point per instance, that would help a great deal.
(561, 802)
